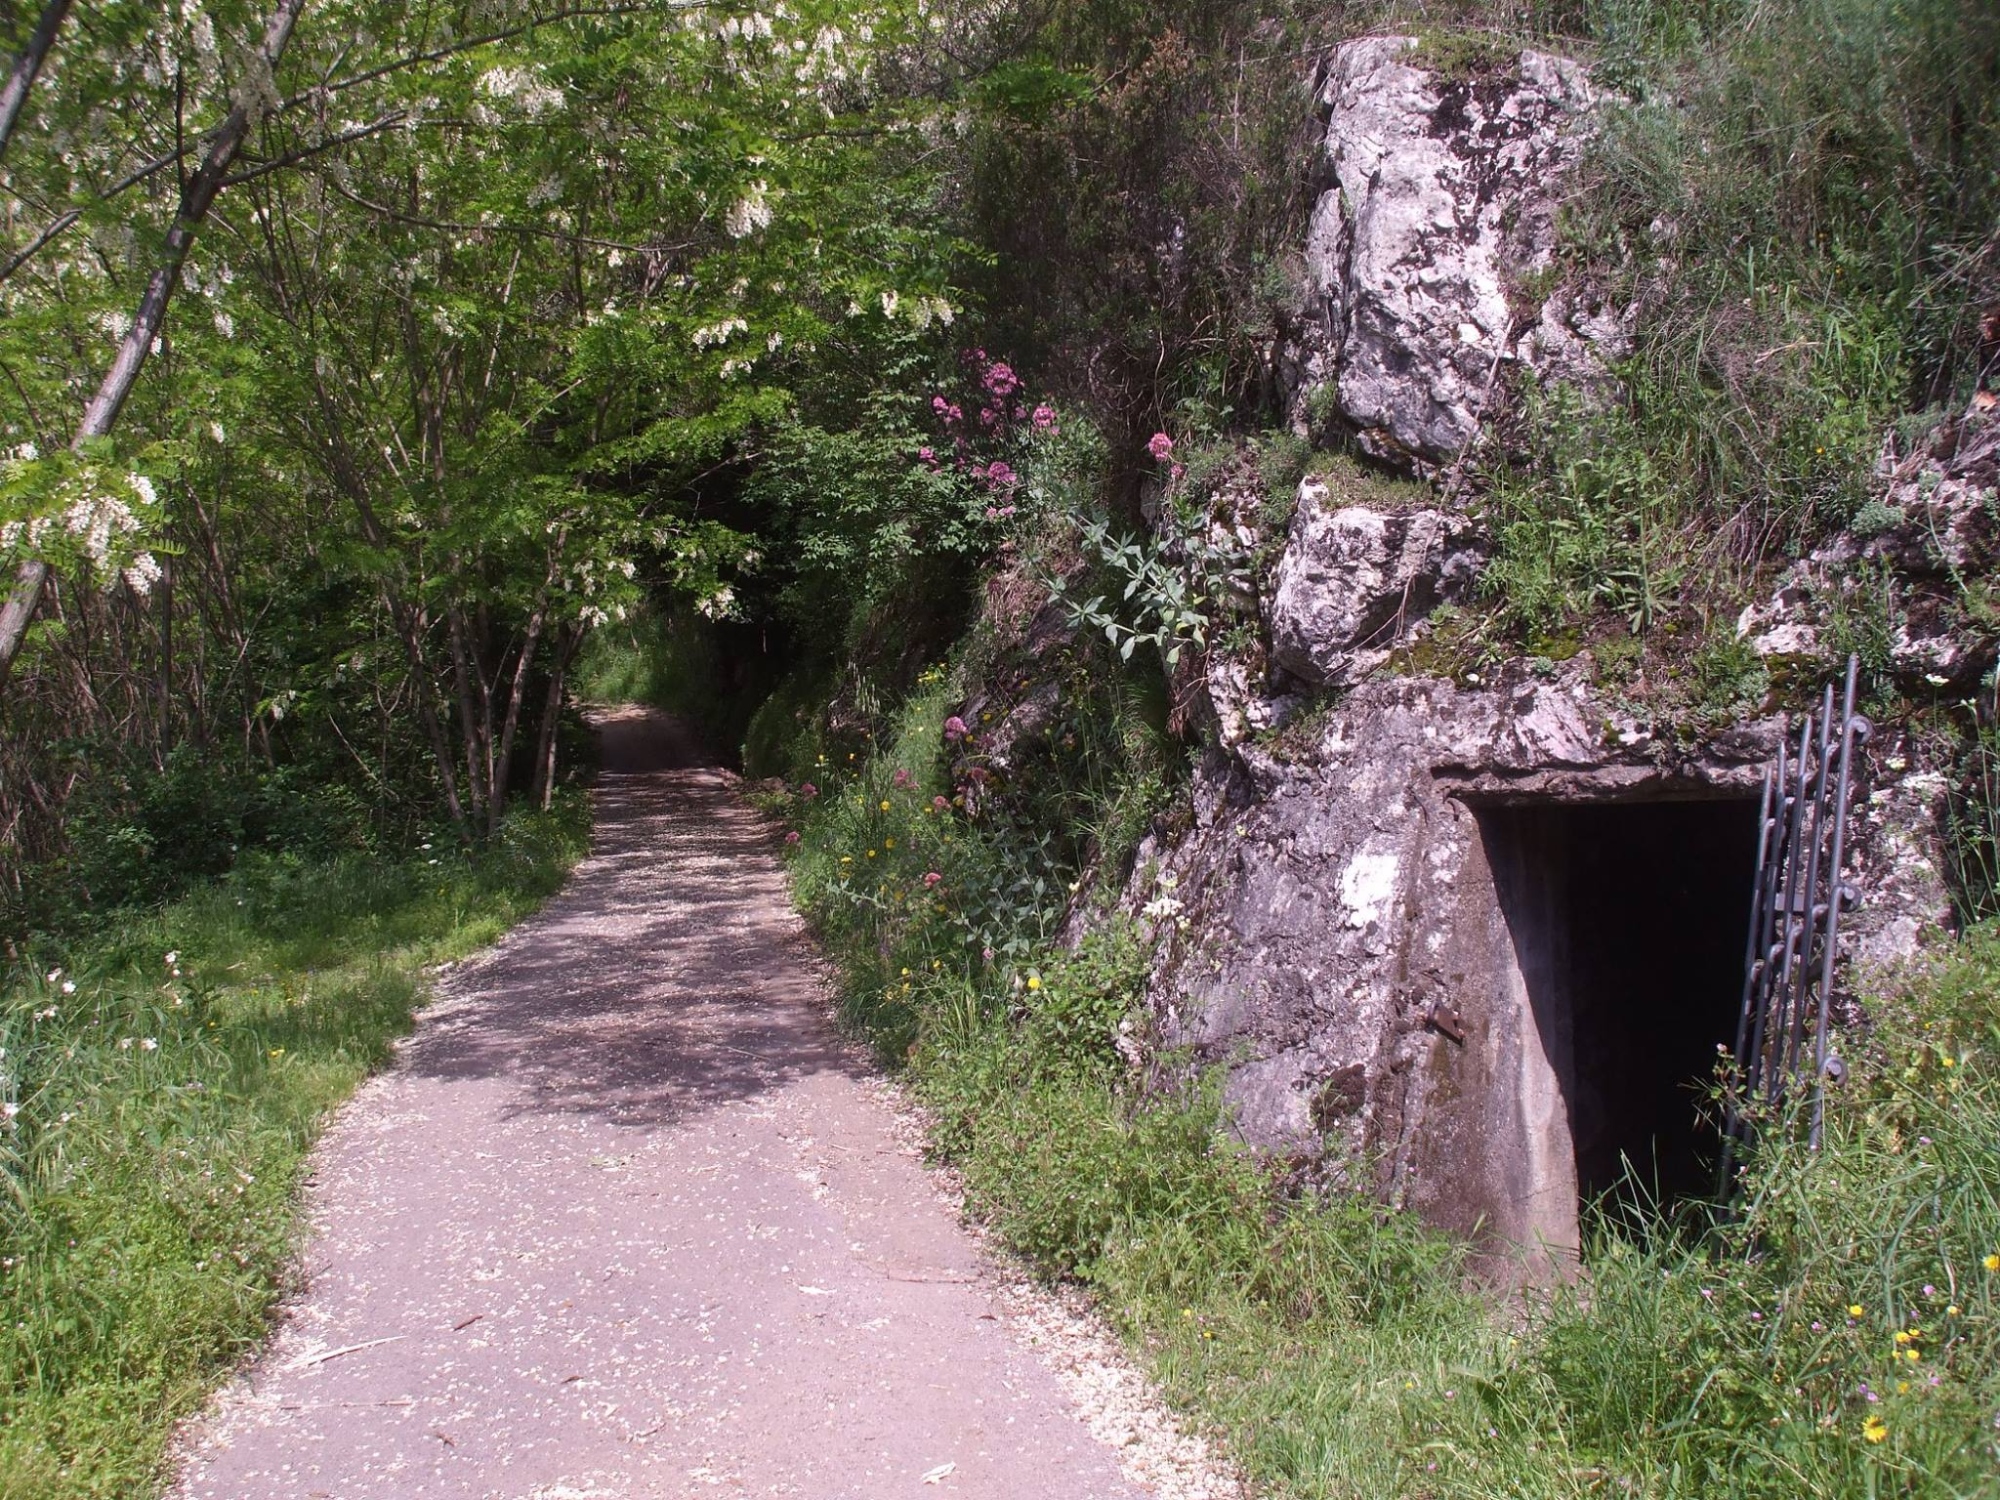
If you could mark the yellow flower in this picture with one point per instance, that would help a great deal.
(1034, 981)
(1951, 1311)
(906, 973)
(888, 843)
(1855, 1311)
(1874, 1429)
(885, 804)
(1912, 1355)
(1902, 1337)
(847, 859)
(1949, 1062)
(871, 853)
(1992, 1262)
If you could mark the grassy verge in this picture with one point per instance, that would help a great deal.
(162, 1083)
(1841, 1337)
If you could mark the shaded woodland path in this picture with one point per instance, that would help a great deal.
(628, 1219)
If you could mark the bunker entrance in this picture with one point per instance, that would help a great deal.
(1628, 923)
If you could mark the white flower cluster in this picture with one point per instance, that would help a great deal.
(927, 310)
(719, 605)
(716, 334)
(731, 368)
(524, 88)
(99, 521)
(749, 213)
(744, 28)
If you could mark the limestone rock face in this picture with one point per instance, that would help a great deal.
(1445, 202)
(1932, 531)
(1354, 580)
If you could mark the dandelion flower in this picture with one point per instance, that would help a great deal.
(1874, 1429)
(1855, 1311)
(885, 804)
(1034, 981)
(1992, 1262)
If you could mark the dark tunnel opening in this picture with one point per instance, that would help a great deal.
(1628, 920)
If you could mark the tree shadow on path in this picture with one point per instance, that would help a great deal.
(670, 976)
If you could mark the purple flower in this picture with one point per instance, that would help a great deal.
(1044, 418)
(792, 837)
(998, 473)
(1159, 445)
(931, 877)
(808, 790)
(954, 728)
(938, 804)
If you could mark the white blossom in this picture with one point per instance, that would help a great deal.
(523, 87)
(142, 573)
(749, 213)
(719, 333)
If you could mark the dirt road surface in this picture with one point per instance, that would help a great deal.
(628, 1219)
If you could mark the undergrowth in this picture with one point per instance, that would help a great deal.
(161, 1082)
(1840, 1335)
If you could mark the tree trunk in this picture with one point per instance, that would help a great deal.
(512, 723)
(197, 197)
(545, 760)
(15, 92)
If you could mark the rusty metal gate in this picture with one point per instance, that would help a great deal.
(1795, 912)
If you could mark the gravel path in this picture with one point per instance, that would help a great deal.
(629, 1219)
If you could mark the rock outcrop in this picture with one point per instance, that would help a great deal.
(1354, 581)
(1416, 261)
(1914, 567)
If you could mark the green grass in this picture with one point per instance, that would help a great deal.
(160, 1116)
(1336, 1345)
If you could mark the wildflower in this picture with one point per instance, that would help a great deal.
(53, 975)
(932, 877)
(69, 986)
(1034, 981)
(148, 1044)
(173, 958)
(9, 1110)
(749, 214)
(277, 1052)
(1855, 1311)
(792, 837)
(1951, 1311)
(871, 853)
(1000, 474)
(1874, 1429)
(1044, 418)
(954, 728)
(1992, 1262)
(928, 455)
(938, 804)
(808, 791)
(885, 804)
(124, 1044)
(888, 843)
(902, 777)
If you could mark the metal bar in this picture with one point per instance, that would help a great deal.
(1780, 821)
(1822, 780)
(1851, 729)
(1732, 1115)
(1774, 1070)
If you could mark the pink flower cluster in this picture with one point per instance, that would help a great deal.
(998, 410)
